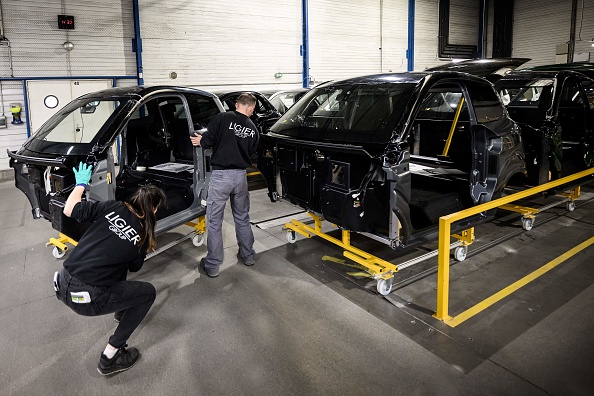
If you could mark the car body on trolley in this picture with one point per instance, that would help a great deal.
(555, 110)
(387, 155)
(153, 125)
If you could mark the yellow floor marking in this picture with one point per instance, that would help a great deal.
(455, 321)
(334, 259)
(359, 274)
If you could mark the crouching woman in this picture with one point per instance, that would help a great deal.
(93, 280)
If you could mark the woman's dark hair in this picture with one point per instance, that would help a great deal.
(143, 203)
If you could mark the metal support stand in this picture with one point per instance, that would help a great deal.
(381, 270)
(529, 214)
(197, 236)
(60, 246)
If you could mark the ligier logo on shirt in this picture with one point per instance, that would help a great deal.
(121, 228)
(241, 131)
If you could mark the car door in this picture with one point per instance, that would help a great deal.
(497, 153)
(587, 88)
(574, 117)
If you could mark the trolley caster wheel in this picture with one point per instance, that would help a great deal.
(384, 286)
(527, 223)
(198, 240)
(291, 237)
(460, 253)
(274, 196)
(58, 253)
(570, 206)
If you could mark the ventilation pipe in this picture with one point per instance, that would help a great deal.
(137, 43)
(571, 42)
(410, 52)
(305, 44)
(2, 37)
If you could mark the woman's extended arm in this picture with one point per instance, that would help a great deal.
(74, 198)
(83, 176)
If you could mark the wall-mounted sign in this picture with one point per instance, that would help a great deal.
(65, 22)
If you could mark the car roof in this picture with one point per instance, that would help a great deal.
(221, 94)
(586, 68)
(139, 92)
(481, 67)
(534, 74)
(402, 78)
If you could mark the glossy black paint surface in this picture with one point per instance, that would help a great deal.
(154, 124)
(556, 112)
(370, 154)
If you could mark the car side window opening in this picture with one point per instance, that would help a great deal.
(202, 110)
(572, 112)
(588, 86)
(527, 100)
(441, 151)
(261, 108)
(441, 129)
(158, 133)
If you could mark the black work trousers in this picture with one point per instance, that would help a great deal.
(132, 298)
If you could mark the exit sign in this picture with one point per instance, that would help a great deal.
(65, 22)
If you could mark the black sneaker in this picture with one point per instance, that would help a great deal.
(249, 262)
(118, 316)
(122, 360)
(212, 273)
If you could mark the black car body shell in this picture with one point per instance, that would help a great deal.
(43, 168)
(265, 114)
(361, 180)
(557, 128)
(278, 99)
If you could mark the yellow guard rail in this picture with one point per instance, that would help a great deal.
(445, 222)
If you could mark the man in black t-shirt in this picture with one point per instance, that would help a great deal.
(233, 138)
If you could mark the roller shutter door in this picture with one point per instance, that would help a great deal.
(463, 29)
(102, 38)
(206, 43)
(344, 38)
(537, 30)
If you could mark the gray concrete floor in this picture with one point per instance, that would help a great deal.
(297, 324)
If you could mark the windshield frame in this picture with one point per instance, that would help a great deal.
(101, 138)
(331, 127)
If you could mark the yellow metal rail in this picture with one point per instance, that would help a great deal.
(445, 222)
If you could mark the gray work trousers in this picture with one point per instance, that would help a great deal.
(224, 185)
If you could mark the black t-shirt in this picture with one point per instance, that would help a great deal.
(234, 138)
(109, 247)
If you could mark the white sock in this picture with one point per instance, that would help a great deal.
(109, 352)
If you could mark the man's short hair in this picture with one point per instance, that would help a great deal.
(246, 99)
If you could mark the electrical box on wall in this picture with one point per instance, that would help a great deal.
(561, 49)
(582, 57)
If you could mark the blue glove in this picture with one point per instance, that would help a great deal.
(83, 174)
